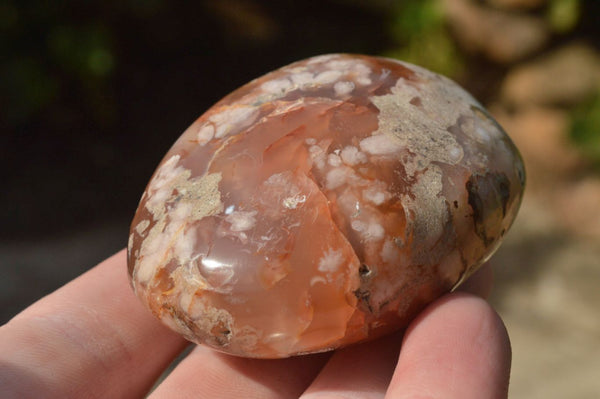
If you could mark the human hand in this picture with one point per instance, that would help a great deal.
(91, 338)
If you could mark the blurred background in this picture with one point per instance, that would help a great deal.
(92, 94)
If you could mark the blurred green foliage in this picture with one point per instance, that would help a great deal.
(563, 15)
(81, 50)
(50, 52)
(419, 30)
(585, 129)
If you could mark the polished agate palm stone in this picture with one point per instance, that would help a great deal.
(323, 204)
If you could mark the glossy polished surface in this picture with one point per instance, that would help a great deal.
(320, 205)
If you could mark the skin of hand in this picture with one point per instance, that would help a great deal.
(92, 338)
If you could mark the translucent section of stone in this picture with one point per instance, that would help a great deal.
(323, 204)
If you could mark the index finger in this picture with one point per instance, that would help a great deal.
(90, 338)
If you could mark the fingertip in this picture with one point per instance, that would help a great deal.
(457, 348)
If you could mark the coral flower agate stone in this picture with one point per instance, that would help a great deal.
(323, 204)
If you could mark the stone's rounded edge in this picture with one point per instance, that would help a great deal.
(408, 236)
